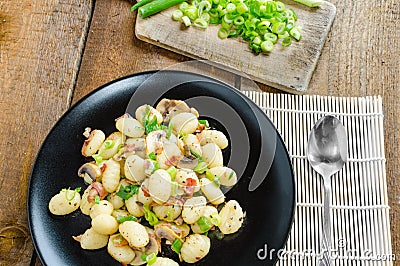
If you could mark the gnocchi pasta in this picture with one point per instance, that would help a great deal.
(158, 178)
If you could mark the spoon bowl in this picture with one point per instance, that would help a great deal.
(327, 154)
(327, 146)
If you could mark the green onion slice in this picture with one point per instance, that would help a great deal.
(267, 46)
(204, 223)
(127, 192)
(97, 158)
(97, 199)
(201, 168)
(200, 23)
(151, 258)
(152, 156)
(295, 33)
(278, 27)
(222, 33)
(239, 20)
(108, 144)
(172, 172)
(186, 21)
(271, 37)
(287, 41)
(215, 219)
(176, 246)
(122, 219)
(150, 216)
(176, 15)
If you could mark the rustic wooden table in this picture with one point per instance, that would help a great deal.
(54, 52)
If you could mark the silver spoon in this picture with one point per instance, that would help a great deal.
(327, 153)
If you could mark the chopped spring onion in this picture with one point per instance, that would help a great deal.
(150, 259)
(172, 172)
(183, 6)
(204, 223)
(156, 6)
(150, 216)
(176, 246)
(278, 27)
(280, 6)
(242, 8)
(257, 40)
(170, 125)
(215, 219)
(186, 21)
(209, 175)
(97, 158)
(170, 208)
(230, 8)
(70, 194)
(97, 199)
(239, 20)
(204, 122)
(122, 219)
(174, 189)
(195, 154)
(295, 33)
(117, 239)
(200, 23)
(231, 174)
(139, 4)
(259, 22)
(310, 3)
(287, 41)
(267, 46)
(127, 192)
(203, 6)
(222, 33)
(152, 156)
(191, 12)
(205, 17)
(176, 15)
(216, 181)
(283, 35)
(108, 144)
(201, 168)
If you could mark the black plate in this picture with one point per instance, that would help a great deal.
(269, 208)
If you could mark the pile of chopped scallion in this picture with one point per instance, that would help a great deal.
(262, 23)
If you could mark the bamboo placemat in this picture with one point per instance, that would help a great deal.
(360, 211)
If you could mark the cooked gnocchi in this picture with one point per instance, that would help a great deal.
(158, 177)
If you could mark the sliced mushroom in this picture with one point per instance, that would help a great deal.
(169, 108)
(89, 172)
(152, 246)
(164, 231)
(188, 162)
(182, 230)
(138, 258)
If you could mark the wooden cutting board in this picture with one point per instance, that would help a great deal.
(286, 68)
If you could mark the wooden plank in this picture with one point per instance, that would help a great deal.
(40, 49)
(288, 69)
(112, 51)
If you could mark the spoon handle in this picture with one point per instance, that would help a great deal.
(326, 226)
